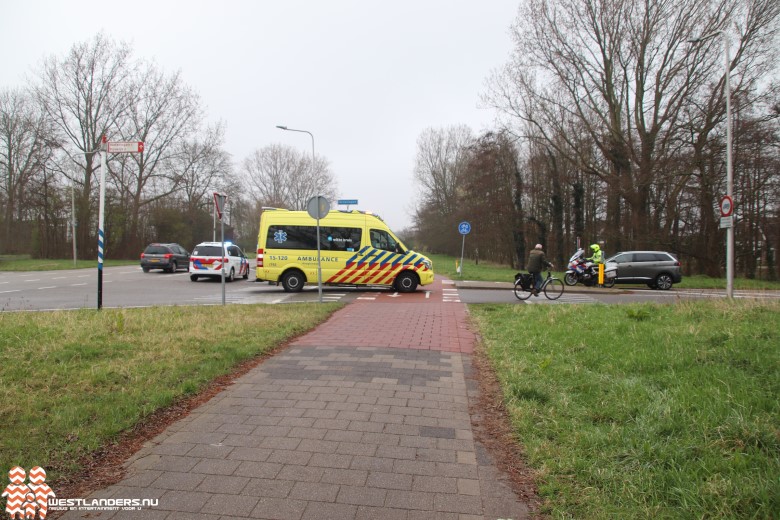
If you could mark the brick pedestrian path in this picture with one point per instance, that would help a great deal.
(365, 417)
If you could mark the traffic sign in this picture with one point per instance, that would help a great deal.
(125, 146)
(347, 202)
(219, 203)
(464, 228)
(726, 206)
(318, 207)
(726, 222)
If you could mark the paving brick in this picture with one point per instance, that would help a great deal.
(235, 505)
(177, 481)
(216, 467)
(263, 487)
(223, 484)
(325, 511)
(279, 509)
(183, 501)
(380, 513)
(410, 500)
(300, 458)
(349, 477)
(384, 480)
(317, 491)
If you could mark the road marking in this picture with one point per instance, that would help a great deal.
(77, 284)
(366, 298)
(50, 287)
(3, 292)
(33, 280)
(59, 277)
(427, 295)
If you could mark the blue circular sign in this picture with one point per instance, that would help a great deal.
(464, 228)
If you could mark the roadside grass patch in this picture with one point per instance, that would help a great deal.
(73, 380)
(23, 263)
(490, 272)
(644, 411)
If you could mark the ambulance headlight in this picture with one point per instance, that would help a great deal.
(428, 264)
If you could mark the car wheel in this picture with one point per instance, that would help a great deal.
(293, 281)
(146, 269)
(231, 275)
(246, 274)
(570, 279)
(194, 277)
(663, 281)
(406, 282)
(609, 283)
(173, 267)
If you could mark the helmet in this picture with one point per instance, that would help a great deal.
(595, 247)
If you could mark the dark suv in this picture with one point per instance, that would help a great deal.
(657, 269)
(168, 257)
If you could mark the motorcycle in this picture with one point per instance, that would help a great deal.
(584, 272)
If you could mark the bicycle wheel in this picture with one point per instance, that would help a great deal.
(520, 292)
(553, 289)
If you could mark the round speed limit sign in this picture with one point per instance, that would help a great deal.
(726, 206)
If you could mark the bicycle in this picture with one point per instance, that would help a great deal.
(552, 287)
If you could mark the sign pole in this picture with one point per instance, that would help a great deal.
(462, 248)
(464, 228)
(101, 217)
(222, 226)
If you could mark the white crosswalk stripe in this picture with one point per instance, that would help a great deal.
(565, 298)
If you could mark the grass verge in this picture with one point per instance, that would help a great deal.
(73, 380)
(25, 263)
(644, 411)
(489, 272)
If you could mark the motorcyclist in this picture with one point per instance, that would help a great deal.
(596, 257)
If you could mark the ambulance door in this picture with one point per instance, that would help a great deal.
(340, 249)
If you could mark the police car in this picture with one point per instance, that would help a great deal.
(207, 260)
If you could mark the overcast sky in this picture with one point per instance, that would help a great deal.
(366, 78)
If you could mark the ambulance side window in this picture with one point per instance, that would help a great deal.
(384, 241)
(340, 238)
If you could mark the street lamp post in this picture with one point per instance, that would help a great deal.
(319, 260)
(729, 167)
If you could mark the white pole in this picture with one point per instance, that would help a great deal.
(729, 174)
(73, 219)
(101, 218)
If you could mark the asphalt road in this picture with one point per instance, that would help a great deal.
(129, 286)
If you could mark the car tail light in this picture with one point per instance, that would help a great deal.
(168, 256)
(260, 258)
(143, 256)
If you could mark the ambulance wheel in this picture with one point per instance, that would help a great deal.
(406, 282)
(293, 281)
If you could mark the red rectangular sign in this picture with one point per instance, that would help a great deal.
(125, 146)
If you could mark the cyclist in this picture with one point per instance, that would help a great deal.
(536, 262)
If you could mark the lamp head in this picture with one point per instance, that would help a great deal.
(282, 127)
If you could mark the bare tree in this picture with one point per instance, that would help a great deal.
(441, 159)
(165, 112)
(25, 144)
(281, 176)
(623, 74)
(84, 94)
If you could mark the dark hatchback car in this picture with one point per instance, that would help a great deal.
(657, 269)
(168, 257)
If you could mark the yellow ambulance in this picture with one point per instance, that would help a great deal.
(356, 248)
